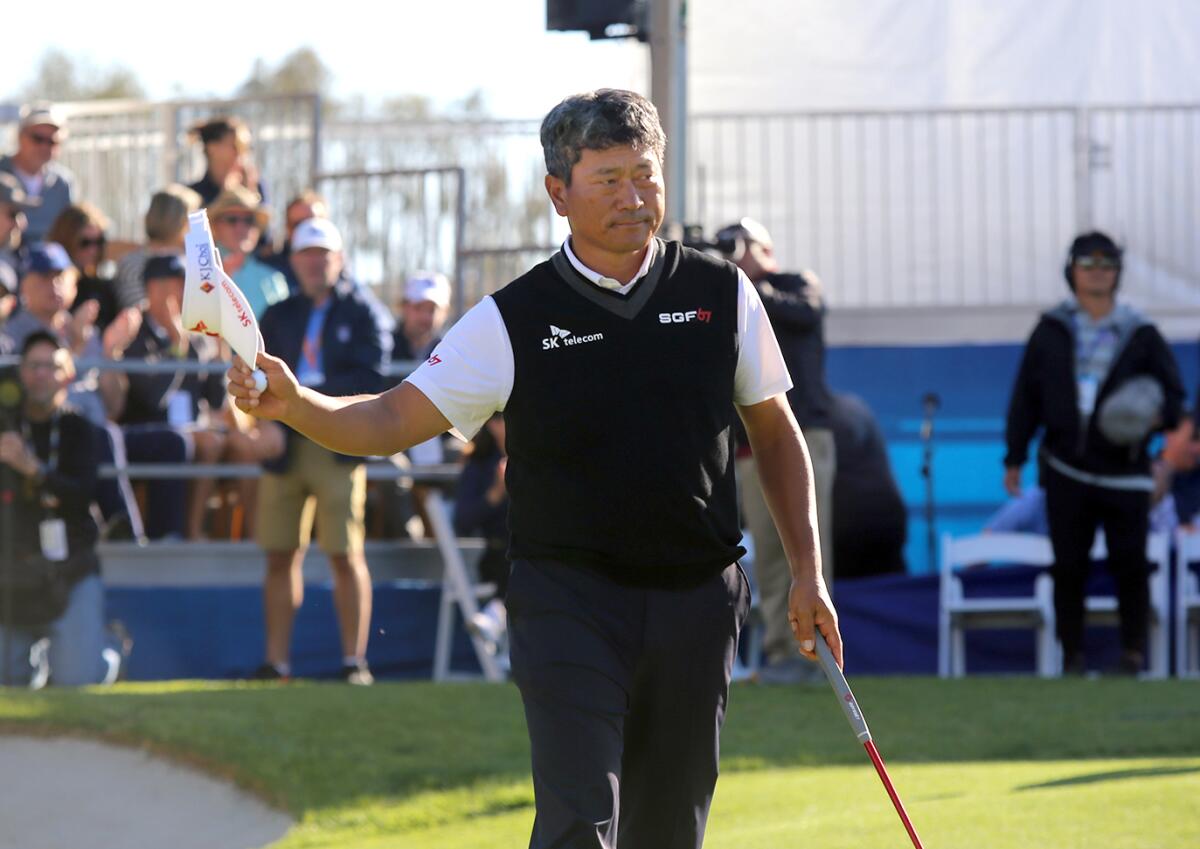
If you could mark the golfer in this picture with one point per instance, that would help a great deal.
(619, 364)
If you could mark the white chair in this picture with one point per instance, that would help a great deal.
(958, 613)
(1187, 605)
(1102, 609)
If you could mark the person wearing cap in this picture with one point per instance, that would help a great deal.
(13, 203)
(188, 404)
(307, 204)
(423, 311)
(795, 304)
(42, 130)
(336, 338)
(238, 219)
(1085, 369)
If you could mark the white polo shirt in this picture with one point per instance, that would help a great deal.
(469, 375)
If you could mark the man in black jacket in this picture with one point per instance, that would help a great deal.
(796, 307)
(1073, 385)
(48, 458)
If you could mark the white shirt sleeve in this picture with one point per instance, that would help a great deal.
(469, 375)
(761, 372)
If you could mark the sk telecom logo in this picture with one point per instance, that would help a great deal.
(560, 338)
(434, 360)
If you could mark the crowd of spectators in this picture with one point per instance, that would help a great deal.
(63, 270)
(66, 277)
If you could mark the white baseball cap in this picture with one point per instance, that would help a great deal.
(41, 112)
(316, 233)
(428, 286)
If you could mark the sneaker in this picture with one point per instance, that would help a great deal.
(358, 674)
(268, 672)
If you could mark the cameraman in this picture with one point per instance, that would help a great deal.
(57, 628)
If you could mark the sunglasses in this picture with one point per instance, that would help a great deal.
(98, 242)
(1102, 262)
(243, 220)
(48, 141)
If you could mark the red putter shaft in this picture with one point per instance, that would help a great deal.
(859, 724)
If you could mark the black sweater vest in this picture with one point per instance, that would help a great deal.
(620, 421)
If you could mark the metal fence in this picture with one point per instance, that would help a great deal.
(122, 151)
(965, 207)
(902, 208)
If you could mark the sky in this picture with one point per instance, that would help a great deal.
(443, 49)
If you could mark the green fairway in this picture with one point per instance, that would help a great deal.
(1001, 763)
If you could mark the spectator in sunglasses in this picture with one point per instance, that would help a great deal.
(1097, 381)
(82, 230)
(41, 133)
(238, 219)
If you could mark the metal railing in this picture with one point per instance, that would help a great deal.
(122, 151)
(958, 207)
(937, 208)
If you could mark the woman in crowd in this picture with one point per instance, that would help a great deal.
(81, 228)
(166, 224)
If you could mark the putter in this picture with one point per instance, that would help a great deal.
(859, 725)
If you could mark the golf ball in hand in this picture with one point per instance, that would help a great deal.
(260, 380)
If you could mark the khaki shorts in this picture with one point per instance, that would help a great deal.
(315, 485)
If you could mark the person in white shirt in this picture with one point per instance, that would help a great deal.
(618, 364)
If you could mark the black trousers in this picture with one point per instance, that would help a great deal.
(625, 691)
(1075, 510)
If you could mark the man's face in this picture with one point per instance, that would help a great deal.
(46, 294)
(45, 371)
(421, 318)
(237, 229)
(1095, 275)
(302, 211)
(758, 260)
(38, 144)
(317, 270)
(615, 202)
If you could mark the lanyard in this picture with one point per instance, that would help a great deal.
(27, 435)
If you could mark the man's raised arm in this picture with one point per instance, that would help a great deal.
(361, 425)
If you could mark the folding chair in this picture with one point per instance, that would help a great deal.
(958, 612)
(1187, 605)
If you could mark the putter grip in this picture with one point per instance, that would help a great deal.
(842, 690)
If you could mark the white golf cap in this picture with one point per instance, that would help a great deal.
(428, 286)
(41, 112)
(316, 233)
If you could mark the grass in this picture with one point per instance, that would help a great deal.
(987, 762)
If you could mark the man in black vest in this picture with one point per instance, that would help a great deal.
(619, 364)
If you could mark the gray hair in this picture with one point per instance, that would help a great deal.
(598, 120)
